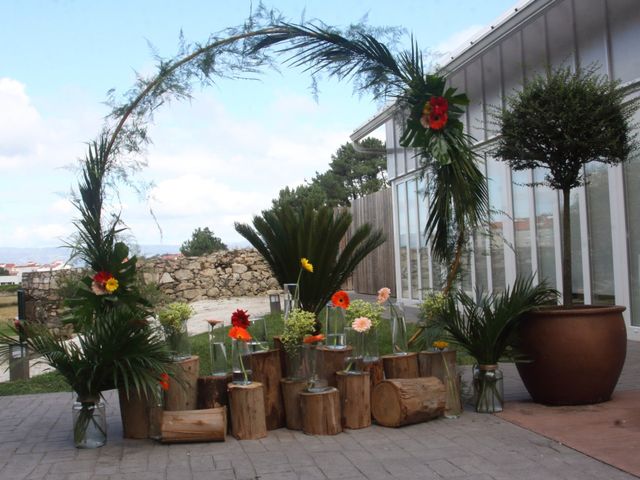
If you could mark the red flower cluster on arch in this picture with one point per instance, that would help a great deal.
(435, 113)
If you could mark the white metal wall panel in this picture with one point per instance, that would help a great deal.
(624, 19)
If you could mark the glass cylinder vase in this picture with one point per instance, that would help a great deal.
(177, 338)
(317, 381)
(258, 330)
(398, 330)
(334, 323)
(240, 362)
(371, 352)
(290, 300)
(89, 423)
(217, 349)
(488, 388)
(154, 413)
(451, 379)
(353, 361)
(295, 363)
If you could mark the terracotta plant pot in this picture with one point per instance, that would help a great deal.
(577, 354)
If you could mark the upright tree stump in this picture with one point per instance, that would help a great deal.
(431, 364)
(266, 369)
(401, 366)
(183, 391)
(212, 391)
(376, 372)
(209, 425)
(403, 401)
(278, 345)
(134, 414)
(291, 390)
(246, 402)
(355, 399)
(331, 361)
(321, 412)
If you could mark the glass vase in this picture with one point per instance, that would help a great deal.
(258, 330)
(154, 413)
(398, 331)
(371, 352)
(177, 339)
(217, 349)
(334, 328)
(240, 362)
(295, 364)
(353, 361)
(89, 423)
(488, 388)
(317, 381)
(453, 405)
(289, 299)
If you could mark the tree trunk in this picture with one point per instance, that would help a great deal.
(376, 372)
(401, 366)
(321, 412)
(291, 390)
(195, 425)
(408, 400)
(247, 411)
(133, 411)
(567, 290)
(266, 369)
(331, 361)
(355, 399)
(212, 391)
(183, 392)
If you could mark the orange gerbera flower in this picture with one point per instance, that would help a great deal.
(340, 299)
(239, 333)
(164, 381)
(313, 338)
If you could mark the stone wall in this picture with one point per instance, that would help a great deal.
(234, 273)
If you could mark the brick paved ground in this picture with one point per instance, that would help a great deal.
(35, 443)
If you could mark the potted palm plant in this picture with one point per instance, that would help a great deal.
(560, 122)
(486, 330)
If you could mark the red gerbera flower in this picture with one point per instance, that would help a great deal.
(239, 333)
(437, 121)
(164, 381)
(340, 299)
(439, 105)
(240, 318)
(313, 338)
(102, 277)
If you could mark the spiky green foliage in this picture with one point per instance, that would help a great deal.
(561, 121)
(118, 351)
(285, 235)
(486, 328)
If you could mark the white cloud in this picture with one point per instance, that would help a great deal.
(20, 122)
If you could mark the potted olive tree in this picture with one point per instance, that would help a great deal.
(560, 122)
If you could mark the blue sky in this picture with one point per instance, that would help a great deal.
(218, 159)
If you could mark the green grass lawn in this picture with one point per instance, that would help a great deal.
(53, 382)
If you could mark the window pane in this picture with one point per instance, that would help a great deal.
(544, 202)
(424, 248)
(480, 254)
(414, 237)
(495, 177)
(522, 221)
(632, 180)
(600, 247)
(403, 234)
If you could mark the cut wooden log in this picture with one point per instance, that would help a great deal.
(321, 412)
(331, 361)
(209, 425)
(246, 403)
(134, 414)
(401, 366)
(278, 345)
(376, 372)
(355, 399)
(268, 371)
(291, 390)
(183, 391)
(212, 391)
(403, 401)
(431, 364)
